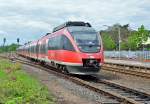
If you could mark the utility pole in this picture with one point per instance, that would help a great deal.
(119, 40)
(18, 40)
(142, 48)
(4, 41)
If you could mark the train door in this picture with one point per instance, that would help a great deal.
(46, 49)
(37, 50)
(29, 50)
(58, 48)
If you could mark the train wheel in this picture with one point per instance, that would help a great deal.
(64, 70)
(42, 62)
(58, 67)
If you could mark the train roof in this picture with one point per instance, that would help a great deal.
(72, 23)
(80, 28)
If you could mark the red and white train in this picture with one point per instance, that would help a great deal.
(73, 47)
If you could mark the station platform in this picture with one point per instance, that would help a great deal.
(128, 62)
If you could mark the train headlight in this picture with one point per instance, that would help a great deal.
(98, 47)
(80, 47)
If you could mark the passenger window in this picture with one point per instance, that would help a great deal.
(54, 43)
(51, 44)
(60, 42)
(67, 45)
(57, 42)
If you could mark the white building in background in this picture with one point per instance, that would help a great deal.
(147, 42)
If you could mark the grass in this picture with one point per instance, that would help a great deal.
(17, 87)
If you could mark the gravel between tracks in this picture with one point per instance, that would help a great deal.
(65, 91)
(141, 84)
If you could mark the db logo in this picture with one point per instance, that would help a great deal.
(91, 56)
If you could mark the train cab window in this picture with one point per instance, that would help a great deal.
(66, 44)
(87, 41)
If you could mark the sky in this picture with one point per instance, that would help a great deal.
(31, 19)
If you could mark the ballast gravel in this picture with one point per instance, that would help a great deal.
(138, 83)
(66, 91)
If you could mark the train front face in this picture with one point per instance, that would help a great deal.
(89, 50)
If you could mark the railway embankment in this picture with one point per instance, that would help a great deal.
(17, 87)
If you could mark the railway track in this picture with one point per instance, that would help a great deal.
(131, 94)
(138, 71)
(127, 69)
(112, 90)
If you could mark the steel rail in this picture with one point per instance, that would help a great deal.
(122, 90)
(126, 70)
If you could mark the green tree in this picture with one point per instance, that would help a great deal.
(142, 35)
(124, 46)
(136, 39)
(108, 42)
(9, 48)
(132, 41)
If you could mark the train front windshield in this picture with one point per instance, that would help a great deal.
(87, 41)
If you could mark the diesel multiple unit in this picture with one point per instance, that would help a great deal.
(73, 47)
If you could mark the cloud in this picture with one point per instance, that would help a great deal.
(30, 19)
(2, 32)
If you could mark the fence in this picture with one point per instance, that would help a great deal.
(133, 55)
